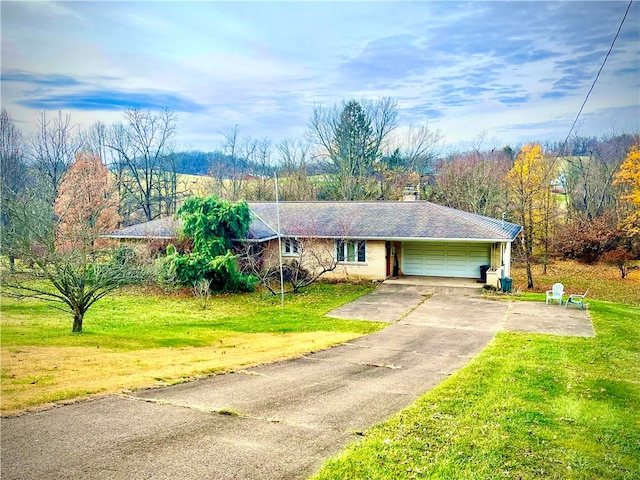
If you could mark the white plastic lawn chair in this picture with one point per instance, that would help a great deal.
(577, 300)
(555, 294)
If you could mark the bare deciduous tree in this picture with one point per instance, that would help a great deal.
(53, 150)
(417, 146)
(473, 182)
(96, 139)
(294, 158)
(14, 176)
(12, 154)
(309, 260)
(143, 150)
(261, 186)
(229, 175)
(590, 174)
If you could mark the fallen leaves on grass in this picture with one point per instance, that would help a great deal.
(603, 281)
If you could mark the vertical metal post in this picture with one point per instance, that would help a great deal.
(275, 176)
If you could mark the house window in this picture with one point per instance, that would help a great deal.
(351, 251)
(290, 247)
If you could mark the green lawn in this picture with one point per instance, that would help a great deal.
(138, 339)
(529, 406)
(137, 319)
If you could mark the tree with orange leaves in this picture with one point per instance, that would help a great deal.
(87, 204)
(78, 270)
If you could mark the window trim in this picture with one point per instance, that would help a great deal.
(292, 244)
(358, 244)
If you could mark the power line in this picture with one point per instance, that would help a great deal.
(595, 80)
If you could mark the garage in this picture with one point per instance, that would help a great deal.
(440, 259)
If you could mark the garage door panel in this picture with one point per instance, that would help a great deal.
(446, 260)
(415, 262)
(456, 262)
(457, 272)
(434, 262)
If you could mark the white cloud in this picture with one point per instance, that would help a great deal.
(465, 68)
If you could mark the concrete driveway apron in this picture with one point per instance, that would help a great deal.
(279, 421)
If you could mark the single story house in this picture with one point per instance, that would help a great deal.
(375, 240)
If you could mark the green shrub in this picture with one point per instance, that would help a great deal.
(213, 224)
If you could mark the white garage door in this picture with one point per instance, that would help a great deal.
(445, 259)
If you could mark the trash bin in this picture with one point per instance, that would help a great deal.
(506, 284)
(483, 272)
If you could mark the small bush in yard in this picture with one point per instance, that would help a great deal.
(588, 239)
(621, 259)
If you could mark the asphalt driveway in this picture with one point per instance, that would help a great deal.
(282, 420)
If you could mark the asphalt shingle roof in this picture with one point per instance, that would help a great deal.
(360, 220)
(164, 227)
(380, 220)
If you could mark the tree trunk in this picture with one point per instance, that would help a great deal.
(77, 322)
(529, 246)
(529, 275)
(624, 271)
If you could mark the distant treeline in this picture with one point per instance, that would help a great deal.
(197, 162)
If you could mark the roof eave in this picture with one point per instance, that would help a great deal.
(139, 237)
(257, 240)
(388, 239)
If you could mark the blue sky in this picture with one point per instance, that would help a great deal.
(517, 71)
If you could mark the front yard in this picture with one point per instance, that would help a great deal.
(142, 339)
(529, 406)
(603, 281)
